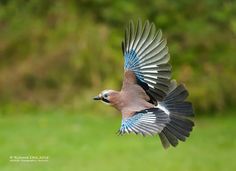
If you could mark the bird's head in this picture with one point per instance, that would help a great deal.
(106, 96)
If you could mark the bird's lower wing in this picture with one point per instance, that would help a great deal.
(170, 119)
(145, 122)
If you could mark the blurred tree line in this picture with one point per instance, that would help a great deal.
(56, 52)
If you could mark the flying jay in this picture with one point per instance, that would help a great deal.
(150, 102)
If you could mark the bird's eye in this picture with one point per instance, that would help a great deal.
(105, 95)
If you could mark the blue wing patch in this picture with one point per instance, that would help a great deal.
(132, 60)
(146, 122)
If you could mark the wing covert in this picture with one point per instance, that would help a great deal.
(145, 122)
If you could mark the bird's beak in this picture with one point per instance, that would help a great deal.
(97, 98)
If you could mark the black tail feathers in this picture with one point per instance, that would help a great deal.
(179, 126)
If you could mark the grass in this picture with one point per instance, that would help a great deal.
(87, 142)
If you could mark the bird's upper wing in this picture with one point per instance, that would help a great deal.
(146, 54)
(145, 122)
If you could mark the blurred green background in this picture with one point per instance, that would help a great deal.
(56, 55)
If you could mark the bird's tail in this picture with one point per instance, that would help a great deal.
(179, 125)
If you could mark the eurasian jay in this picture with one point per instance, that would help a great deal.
(150, 102)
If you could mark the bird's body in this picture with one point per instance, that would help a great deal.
(133, 97)
(150, 102)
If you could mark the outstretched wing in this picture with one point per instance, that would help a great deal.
(146, 54)
(145, 122)
(170, 119)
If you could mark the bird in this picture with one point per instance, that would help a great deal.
(150, 101)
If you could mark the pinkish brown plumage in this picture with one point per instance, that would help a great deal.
(150, 102)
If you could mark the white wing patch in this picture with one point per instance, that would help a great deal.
(148, 117)
(161, 106)
(148, 66)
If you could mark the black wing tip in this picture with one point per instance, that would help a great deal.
(123, 47)
(131, 23)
